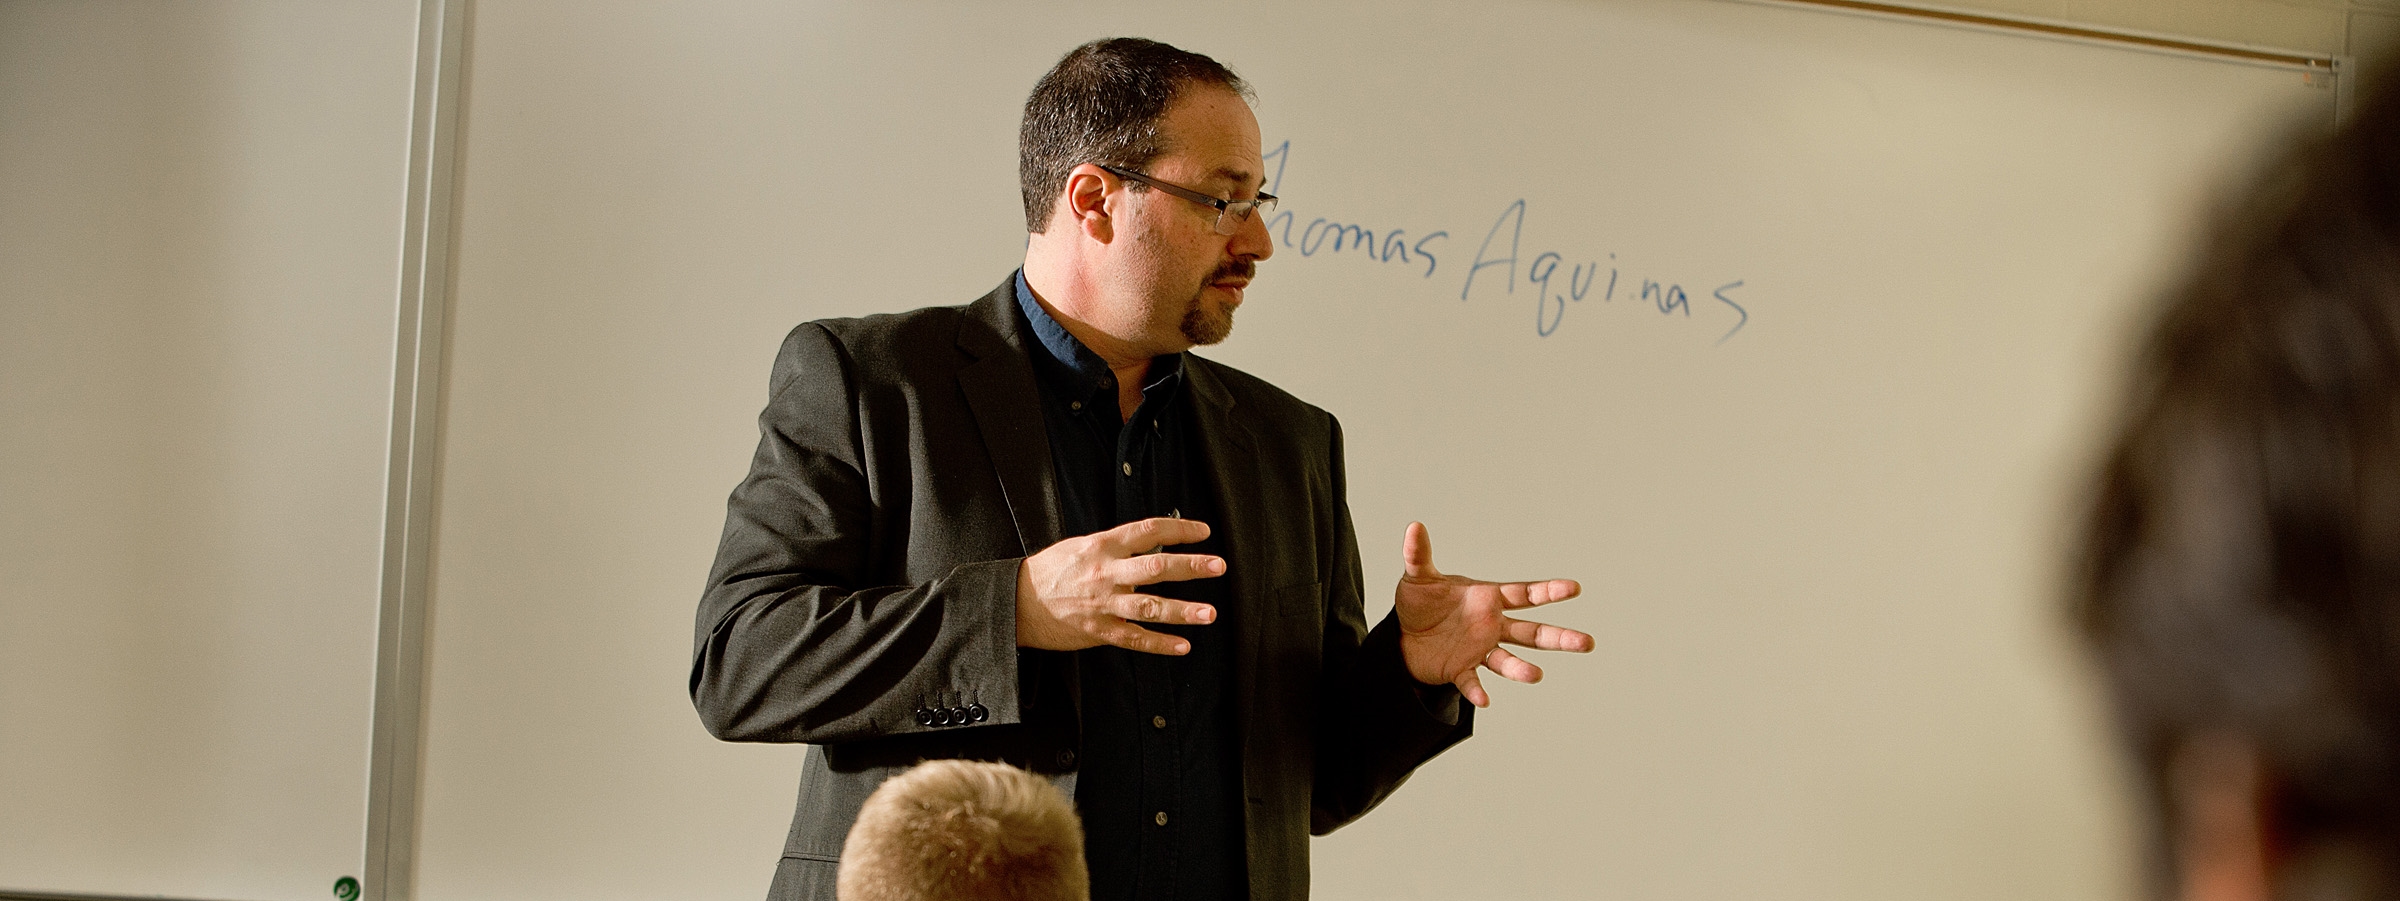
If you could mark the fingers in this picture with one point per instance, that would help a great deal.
(1508, 666)
(1149, 568)
(1471, 687)
(1075, 594)
(1145, 535)
(1416, 562)
(1512, 667)
(1135, 638)
(1416, 554)
(1119, 629)
(1545, 637)
(1146, 608)
(1535, 594)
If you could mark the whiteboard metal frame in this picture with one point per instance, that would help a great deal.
(2073, 31)
(425, 279)
(2335, 67)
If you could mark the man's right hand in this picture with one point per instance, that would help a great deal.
(1080, 593)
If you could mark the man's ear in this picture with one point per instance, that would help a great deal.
(2218, 788)
(1085, 200)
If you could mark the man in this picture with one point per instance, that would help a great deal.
(1034, 530)
(952, 830)
(2242, 570)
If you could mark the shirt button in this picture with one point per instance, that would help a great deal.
(1128, 467)
(1158, 722)
(1075, 405)
(1160, 819)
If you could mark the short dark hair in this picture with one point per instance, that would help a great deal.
(1101, 104)
(2240, 570)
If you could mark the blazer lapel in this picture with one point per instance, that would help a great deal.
(1001, 396)
(1231, 453)
(998, 386)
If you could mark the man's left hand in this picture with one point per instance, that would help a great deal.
(1450, 625)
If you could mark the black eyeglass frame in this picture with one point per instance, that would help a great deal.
(1230, 213)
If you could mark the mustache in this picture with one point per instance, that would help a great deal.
(1245, 269)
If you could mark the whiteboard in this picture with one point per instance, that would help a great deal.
(200, 212)
(1811, 454)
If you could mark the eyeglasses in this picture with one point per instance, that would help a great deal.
(1230, 213)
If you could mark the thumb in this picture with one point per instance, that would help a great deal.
(1416, 553)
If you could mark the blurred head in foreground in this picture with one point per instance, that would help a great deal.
(956, 829)
(2240, 575)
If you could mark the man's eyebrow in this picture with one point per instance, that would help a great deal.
(1241, 178)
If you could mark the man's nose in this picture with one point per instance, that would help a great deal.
(1251, 240)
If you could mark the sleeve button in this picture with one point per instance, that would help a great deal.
(924, 717)
(977, 713)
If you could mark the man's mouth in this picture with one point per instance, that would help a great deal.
(1233, 277)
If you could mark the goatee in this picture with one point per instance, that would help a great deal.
(1203, 326)
(1203, 329)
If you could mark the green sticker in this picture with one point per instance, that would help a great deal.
(346, 889)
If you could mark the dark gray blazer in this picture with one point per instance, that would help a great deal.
(863, 598)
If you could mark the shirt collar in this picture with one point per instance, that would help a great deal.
(1068, 366)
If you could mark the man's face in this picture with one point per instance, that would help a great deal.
(1178, 281)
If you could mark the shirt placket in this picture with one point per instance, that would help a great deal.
(1138, 491)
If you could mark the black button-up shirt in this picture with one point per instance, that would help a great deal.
(1159, 783)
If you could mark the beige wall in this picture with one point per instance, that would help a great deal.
(199, 243)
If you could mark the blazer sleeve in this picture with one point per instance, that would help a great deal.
(1377, 723)
(795, 641)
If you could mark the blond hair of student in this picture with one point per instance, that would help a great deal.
(956, 829)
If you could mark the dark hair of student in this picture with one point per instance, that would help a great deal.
(2240, 572)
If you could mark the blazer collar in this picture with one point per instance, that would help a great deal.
(1231, 450)
(997, 382)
